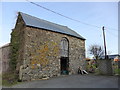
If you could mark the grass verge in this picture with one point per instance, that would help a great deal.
(117, 71)
(9, 79)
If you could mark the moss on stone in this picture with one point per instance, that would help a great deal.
(14, 50)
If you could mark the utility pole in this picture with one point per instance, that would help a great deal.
(104, 42)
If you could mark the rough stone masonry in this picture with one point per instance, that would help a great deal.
(45, 52)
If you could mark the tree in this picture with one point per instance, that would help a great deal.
(96, 50)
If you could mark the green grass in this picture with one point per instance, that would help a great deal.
(9, 79)
(117, 71)
(0, 79)
(7, 83)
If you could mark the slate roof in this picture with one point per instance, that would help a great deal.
(43, 24)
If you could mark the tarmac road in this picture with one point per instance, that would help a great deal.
(73, 81)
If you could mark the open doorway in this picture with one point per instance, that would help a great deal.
(64, 61)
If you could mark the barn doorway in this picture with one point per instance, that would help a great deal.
(64, 61)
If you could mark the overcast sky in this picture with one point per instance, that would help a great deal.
(95, 13)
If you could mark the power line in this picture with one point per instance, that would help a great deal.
(112, 34)
(68, 17)
(111, 29)
(63, 15)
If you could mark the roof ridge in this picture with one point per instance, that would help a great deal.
(43, 20)
(44, 24)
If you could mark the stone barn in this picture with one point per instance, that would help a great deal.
(45, 49)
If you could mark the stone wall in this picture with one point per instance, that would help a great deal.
(4, 58)
(41, 56)
(105, 67)
(17, 45)
(0, 60)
